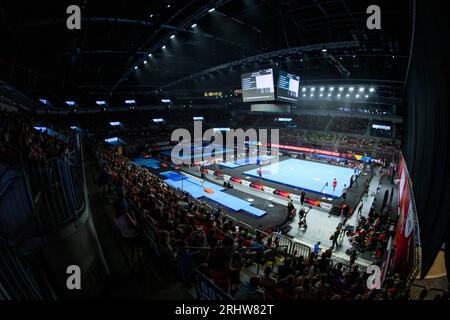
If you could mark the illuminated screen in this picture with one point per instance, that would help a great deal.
(258, 86)
(288, 87)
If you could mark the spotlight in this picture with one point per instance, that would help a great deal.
(168, 6)
(347, 95)
(313, 89)
(211, 10)
(331, 89)
(362, 89)
(163, 47)
(351, 89)
(312, 95)
(321, 95)
(357, 96)
(366, 96)
(135, 67)
(339, 95)
(329, 95)
(149, 55)
(304, 95)
(172, 36)
(324, 50)
(322, 89)
(194, 25)
(371, 90)
(151, 16)
(341, 89)
(145, 62)
(303, 89)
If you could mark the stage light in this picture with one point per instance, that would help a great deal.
(351, 89)
(172, 36)
(163, 47)
(194, 25)
(371, 90)
(211, 10)
(341, 89)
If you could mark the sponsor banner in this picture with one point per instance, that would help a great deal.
(218, 174)
(326, 206)
(294, 197)
(246, 183)
(211, 172)
(283, 194)
(269, 190)
(257, 186)
(236, 180)
(226, 177)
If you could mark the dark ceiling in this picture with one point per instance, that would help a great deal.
(40, 56)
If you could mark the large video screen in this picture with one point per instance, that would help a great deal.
(258, 86)
(288, 87)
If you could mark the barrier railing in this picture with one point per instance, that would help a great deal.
(58, 187)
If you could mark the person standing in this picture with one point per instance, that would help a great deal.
(351, 181)
(317, 248)
(302, 197)
(334, 184)
(344, 192)
(360, 208)
(334, 238)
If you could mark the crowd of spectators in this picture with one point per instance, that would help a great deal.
(17, 133)
(192, 235)
(349, 125)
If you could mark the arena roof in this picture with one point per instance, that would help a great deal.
(119, 50)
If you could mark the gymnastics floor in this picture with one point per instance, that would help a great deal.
(306, 175)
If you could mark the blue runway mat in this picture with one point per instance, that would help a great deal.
(245, 162)
(199, 157)
(307, 175)
(195, 189)
(150, 163)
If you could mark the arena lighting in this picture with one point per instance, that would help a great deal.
(351, 89)
(321, 95)
(43, 101)
(371, 90)
(145, 61)
(131, 101)
(168, 6)
(211, 10)
(166, 101)
(135, 67)
(329, 94)
(304, 95)
(347, 95)
(341, 89)
(312, 95)
(172, 36)
(362, 89)
(70, 103)
(100, 102)
(331, 88)
(151, 16)
(313, 89)
(357, 96)
(163, 47)
(322, 89)
(324, 50)
(304, 89)
(339, 95)
(194, 25)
